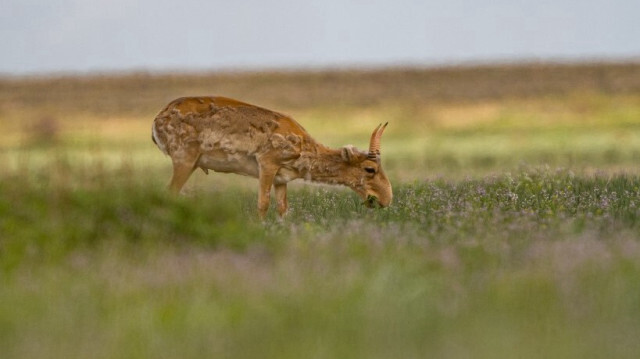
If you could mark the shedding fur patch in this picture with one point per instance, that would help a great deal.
(157, 141)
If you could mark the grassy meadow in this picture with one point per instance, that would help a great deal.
(514, 232)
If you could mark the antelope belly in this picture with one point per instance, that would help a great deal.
(239, 163)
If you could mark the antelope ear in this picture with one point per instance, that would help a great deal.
(349, 154)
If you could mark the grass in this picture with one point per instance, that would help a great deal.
(513, 232)
(543, 263)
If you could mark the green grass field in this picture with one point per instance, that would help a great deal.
(514, 232)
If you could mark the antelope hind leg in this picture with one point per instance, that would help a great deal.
(184, 163)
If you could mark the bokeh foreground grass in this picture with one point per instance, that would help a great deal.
(536, 263)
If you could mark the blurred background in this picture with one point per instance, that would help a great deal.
(468, 87)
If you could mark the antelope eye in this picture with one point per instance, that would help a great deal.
(370, 169)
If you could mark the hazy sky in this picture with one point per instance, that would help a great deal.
(84, 35)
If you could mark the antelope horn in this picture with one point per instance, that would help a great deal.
(374, 143)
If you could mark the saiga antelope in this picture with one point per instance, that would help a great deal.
(226, 135)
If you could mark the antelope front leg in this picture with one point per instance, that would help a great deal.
(264, 192)
(281, 199)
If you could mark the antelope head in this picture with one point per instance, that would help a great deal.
(368, 178)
